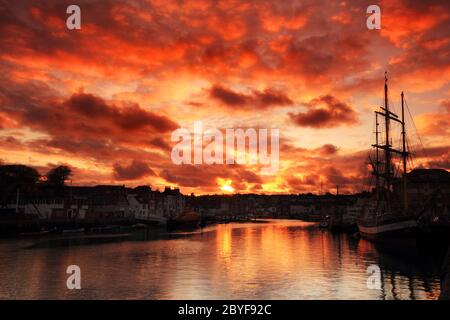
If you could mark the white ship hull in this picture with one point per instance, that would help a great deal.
(388, 228)
(400, 233)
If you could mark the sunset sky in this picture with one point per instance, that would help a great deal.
(105, 99)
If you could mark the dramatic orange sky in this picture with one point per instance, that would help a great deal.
(105, 99)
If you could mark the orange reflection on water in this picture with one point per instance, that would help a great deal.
(269, 251)
(281, 259)
(223, 240)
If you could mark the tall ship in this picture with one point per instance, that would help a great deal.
(386, 216)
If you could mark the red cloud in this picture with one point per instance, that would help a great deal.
(83, 117)
(446, 105)
(205, 177)
(436, 124)
(308, 47)
(325, 112)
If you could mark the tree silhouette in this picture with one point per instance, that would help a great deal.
(15, 177)
(58, 176)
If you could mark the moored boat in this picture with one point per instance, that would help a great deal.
(35, 233)
(79, 230)
(324, 223)
(139, 226)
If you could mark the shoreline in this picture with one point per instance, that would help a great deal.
(18, 228)
(22, 228)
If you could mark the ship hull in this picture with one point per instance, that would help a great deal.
(398, 232)
(384, 228)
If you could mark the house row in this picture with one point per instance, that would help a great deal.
(101, 202)
(298, 206)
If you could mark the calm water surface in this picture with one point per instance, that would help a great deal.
(282, 259)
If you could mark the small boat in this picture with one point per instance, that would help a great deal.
(105, 229)
(323, 224)
(79, 230)
(34, 234)
(139, 226)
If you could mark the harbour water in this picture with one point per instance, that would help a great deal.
(279, 259)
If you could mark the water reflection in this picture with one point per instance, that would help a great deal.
(282, 259)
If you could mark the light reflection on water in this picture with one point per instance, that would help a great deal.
(283, 259)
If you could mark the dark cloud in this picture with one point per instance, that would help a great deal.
(229, 97)
(305, 184)
(160, 143)
(131, 117)
(325, 112)
(439, 164)
(86, 126)
(136, 170)
(446, 105)
(327, 149)
(318, 56)
(263, 99)
(82, 117)
(432, 152)
(335, 176)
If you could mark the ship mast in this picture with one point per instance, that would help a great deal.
(388, 174)
(404, 154)
(377, 159)
(387, 150)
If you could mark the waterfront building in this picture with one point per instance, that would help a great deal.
(173, 201)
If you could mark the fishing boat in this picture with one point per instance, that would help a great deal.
(385, 216)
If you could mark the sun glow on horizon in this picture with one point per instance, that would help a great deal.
(227, 189)
(225, 185)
